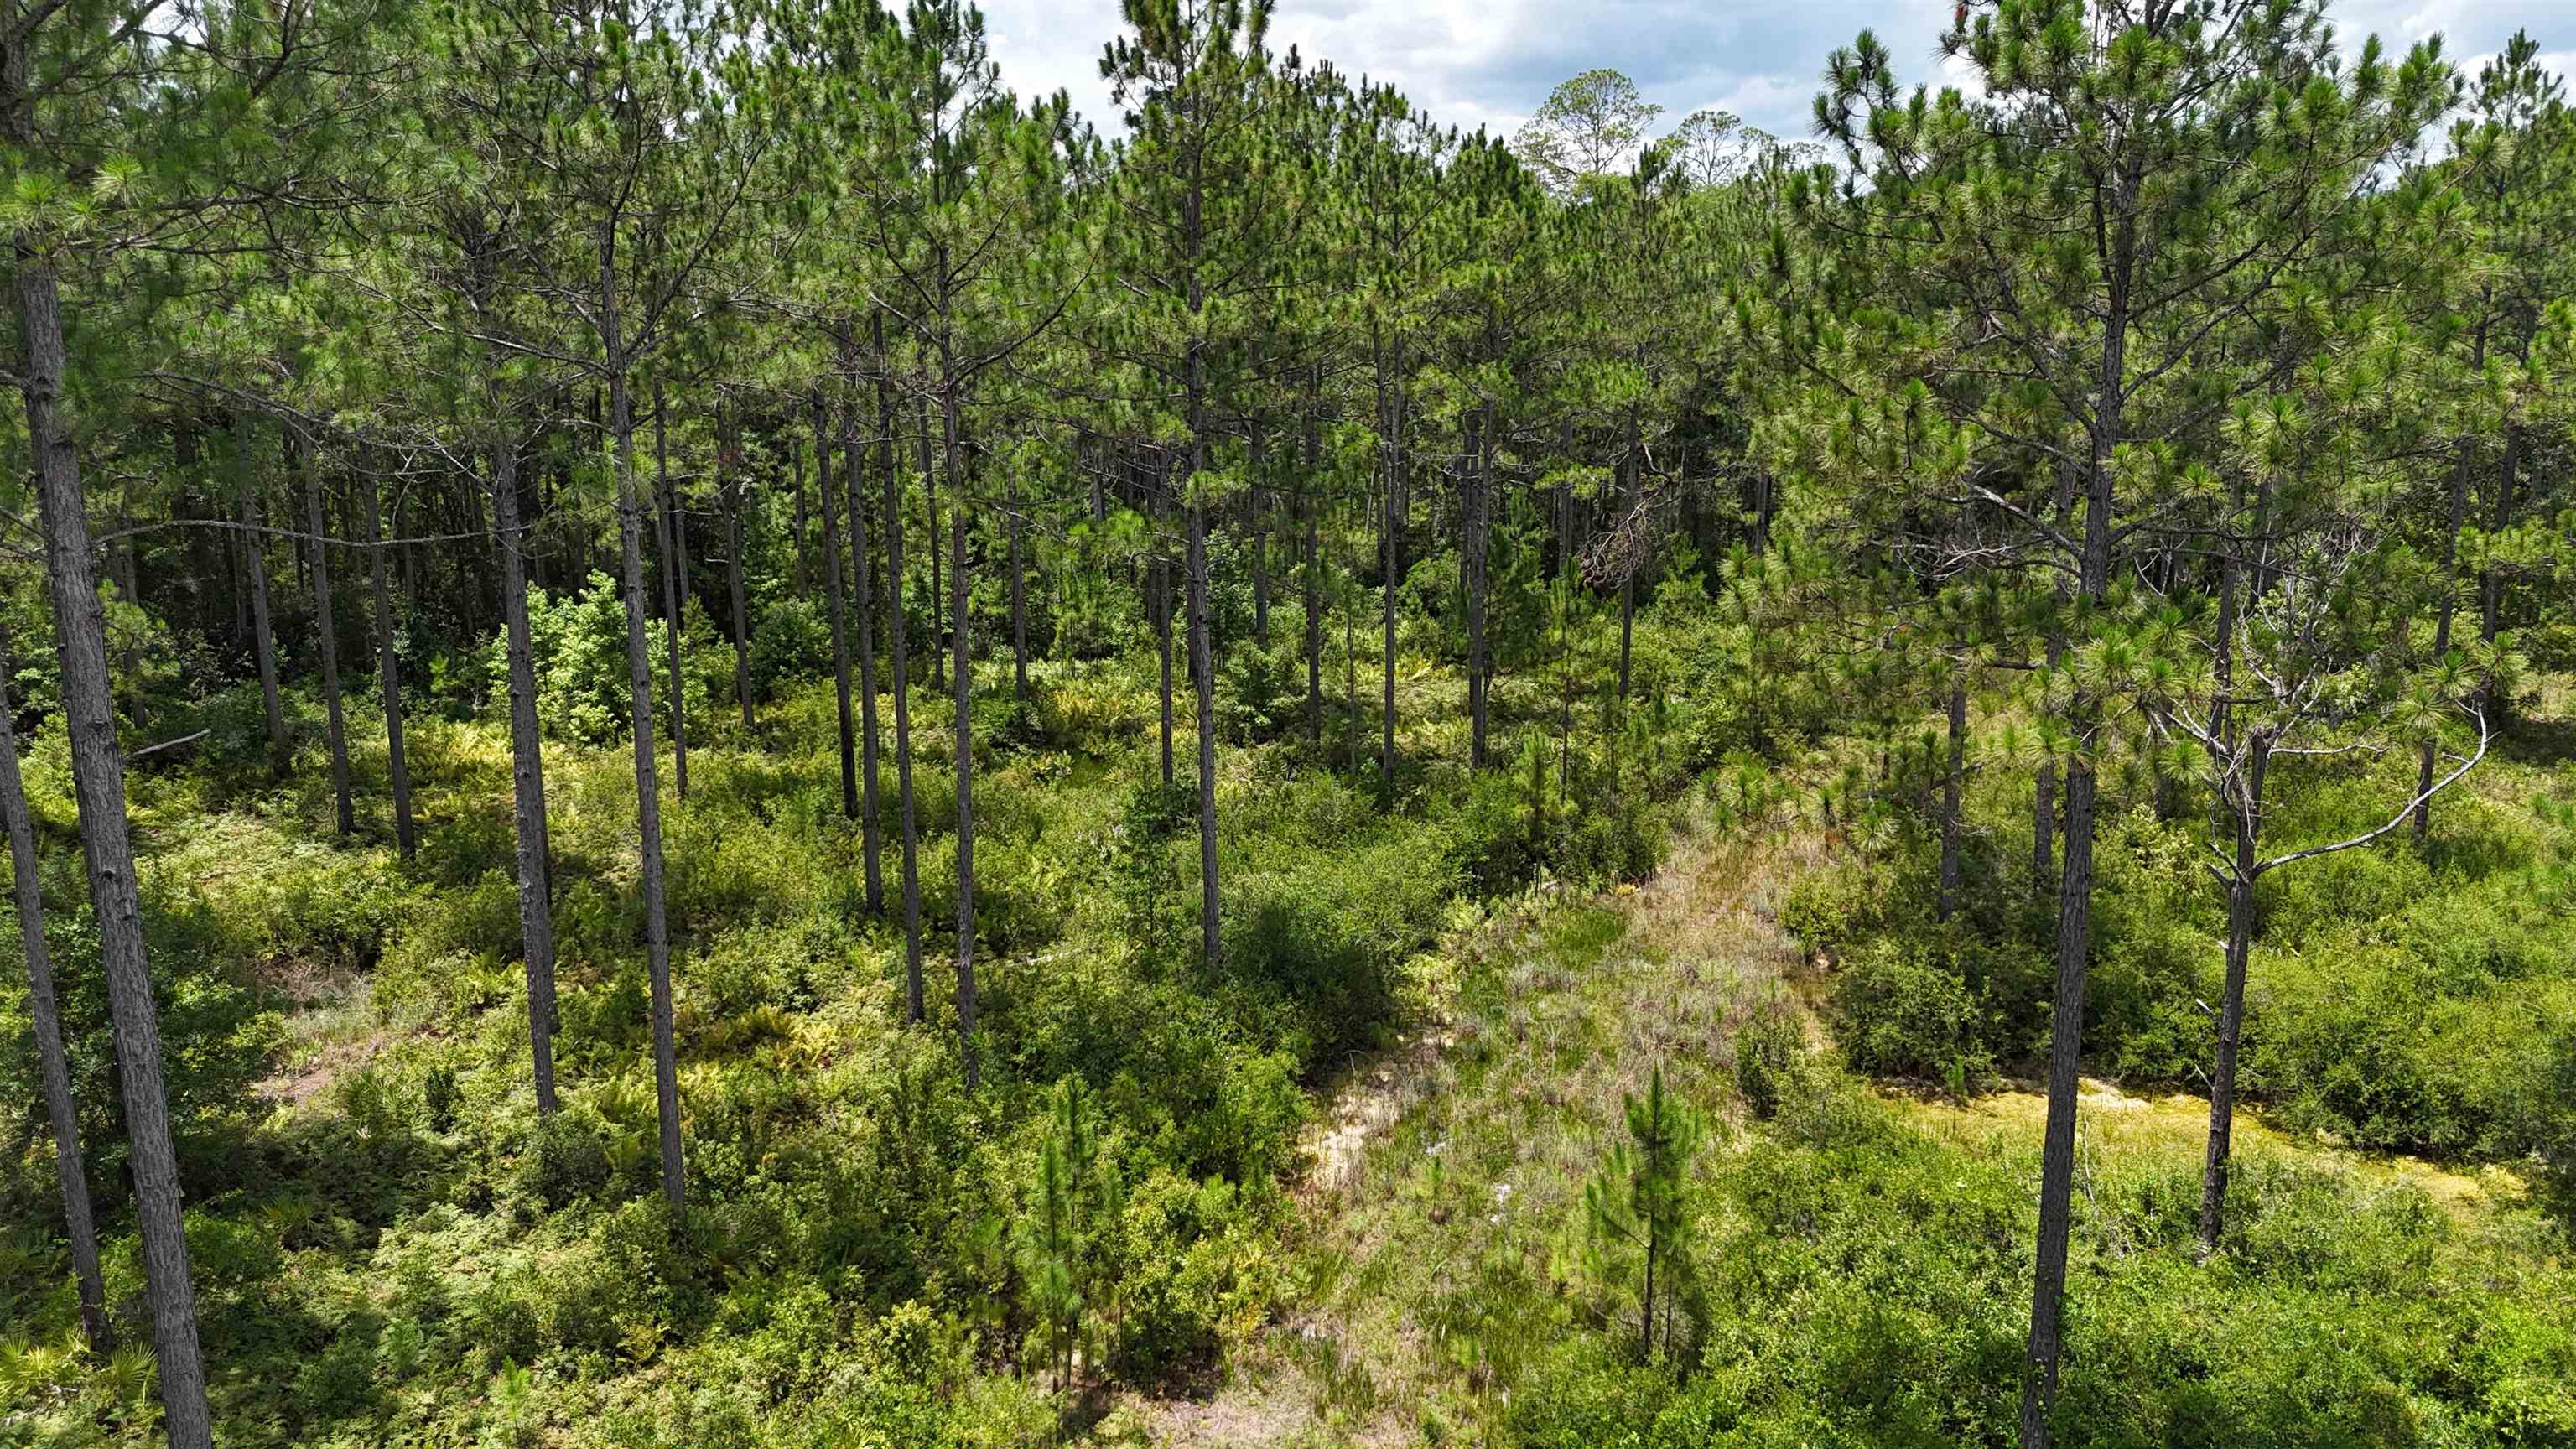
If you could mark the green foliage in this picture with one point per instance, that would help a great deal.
(565, 1160)
(1871, 1300)
(1638, 1210)
(791, 639)
(1903, 1011)
(577, 643)
(1770, 1059)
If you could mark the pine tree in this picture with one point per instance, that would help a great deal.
(2186, 155)
(1639, 1203)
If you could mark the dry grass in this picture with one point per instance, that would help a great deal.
(1445, 1180)
(2170, 1131)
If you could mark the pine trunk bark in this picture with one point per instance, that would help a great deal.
(639, 679)
(2423, 822)
(938, 592)
(804, 574)
(263, 633)
(1953, 779)
(1310, 572)
(961, 680)
(898, 631)
(389, 676)
(527, 775)
(729, 458)
(1159, 583)
(1475, 560)
(1391, 421)
(1257, 521)
(46, 1021)
(2045, 1346)
(326, 636)
(1632, 477)
(2247, 810)
(98, 783)
(840, 629)
(870, 845)
(1202, 665)
(675, 565)
(1019, 597)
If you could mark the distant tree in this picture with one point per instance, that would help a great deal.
(1206, 194)
(1590, 126)
(1712, 148)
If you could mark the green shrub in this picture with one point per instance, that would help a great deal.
(577, 644)
(1770, 1052)
(564, 1161)
(1901, 1011)
(791, 638)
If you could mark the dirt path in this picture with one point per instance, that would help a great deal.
(1483, 1123)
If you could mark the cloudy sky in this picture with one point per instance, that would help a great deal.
(1490, 62)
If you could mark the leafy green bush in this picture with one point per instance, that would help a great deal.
(1770, 1051)
(1903, 1011)
(564, 1161)
(577, 644)
(791, 638)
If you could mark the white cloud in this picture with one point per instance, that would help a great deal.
(1490, 62)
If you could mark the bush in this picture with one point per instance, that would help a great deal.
(1770, 1050)
(578, 647)
(565, 1160)
(1901, 1011)
(790, 639)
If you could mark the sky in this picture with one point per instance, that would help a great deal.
(1490, 62)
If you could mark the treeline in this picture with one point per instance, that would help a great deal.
(2192, 399)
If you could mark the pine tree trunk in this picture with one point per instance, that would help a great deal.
(98, 783)
(2491, 583)
(2247, 810)
(796, 459)
(1258, 520)
(938, 593)
(840, 629)
(1475, 561)
(1953, 779)
(729, 458)
(961, 679)
(327, 637)
(1631, 469)
(1394, 551)
(1310, 572)
(2046, 1343)
(46, 1022)
(263, 634)
(407, 557)
(1390, 550)
(527, 774)
(870, 853)
(675, 565)
(2043, 829)
(1161, 609)
(1019, 598)
(1203, 667)
(639, 678)
(897, 633)
(389, 676)
(2423, 822)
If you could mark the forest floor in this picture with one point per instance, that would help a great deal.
(1461, 1153)
(1443, 1191)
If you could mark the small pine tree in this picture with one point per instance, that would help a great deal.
(1534, 793)
(1070, 1198)
(1639, 1202)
